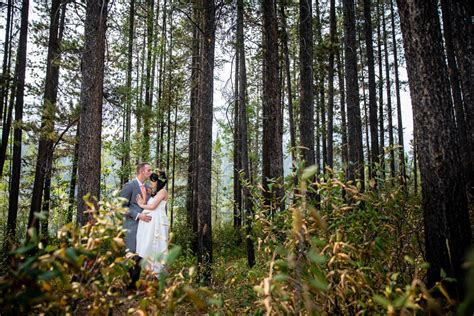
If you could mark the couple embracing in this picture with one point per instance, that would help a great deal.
(146, 222)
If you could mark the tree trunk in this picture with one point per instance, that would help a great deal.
(19, 82)
(288, 83)
(170, 94)
(462, 30)
(374, 140)
(321, 107)
(126, 164)
(342, 99)
(147, 110)
(72, 182)
(272, 152)
(401, 150)
(247, 202)
(160, 143)
(194, 106)
(47, 202)
(91, 106)
(356, 154)
(5, 78)
(7, 112)
(237, 151)
(45, 147)
(204, 148)
(380, 87)
(174, 165)
(364, 104)
(306, 83)
(391, 142)
(330, 127)
(445, 211)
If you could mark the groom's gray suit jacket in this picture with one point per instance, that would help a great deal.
(129, 192)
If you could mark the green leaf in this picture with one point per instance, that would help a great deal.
(48, 275)
(316, 258)
(24, 249)
(381, 301)
(309, 172)
(173, 254)
(319, 283)
(280, 277)
(72, 255)
(50, 248)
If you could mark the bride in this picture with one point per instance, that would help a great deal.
(152, 236)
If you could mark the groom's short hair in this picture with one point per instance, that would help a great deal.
(141, 165)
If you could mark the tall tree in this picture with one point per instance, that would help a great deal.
(237, 149)
(192, 153)
(455, 83)
(150, 10)
(45, 146)
(342, 102)
(461, 16)
(321, 123)
(374, 141)
(354, 125)
(19, 83)
(91, 106)
(444, 200)
(388, 86)
(332, 49)
(306, 83)
(247, 201)
(204, 132)
(380, 88)
(7, 111)
(401, 150)
(126, 164)
(73, 180)
(272, 153)
(286, 54)
(5, 78)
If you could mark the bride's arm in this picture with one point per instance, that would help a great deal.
(159, 197)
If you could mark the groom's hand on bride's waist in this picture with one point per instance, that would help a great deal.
(144, 217)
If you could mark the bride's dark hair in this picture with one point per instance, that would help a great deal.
(160, 179)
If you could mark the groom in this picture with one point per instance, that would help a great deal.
(134, 214)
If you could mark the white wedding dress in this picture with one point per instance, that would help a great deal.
(152, 237)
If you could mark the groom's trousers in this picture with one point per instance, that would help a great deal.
(135, 272)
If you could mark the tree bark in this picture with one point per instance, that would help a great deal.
(72, 182)
(380, 88)
(330, 111)
(374, 140)
(401, 150)
(444, 201)
(126, 164)
(288, 82)
(342, 99)
(192, 155)
(272, 153)
(91, 106)
(391, 142)
(306, 83)
(237, 151)
(20, 70)
(461, 17)
(247, 202)
(5, 78)
(356, 154)
(204, 148)
(45, 147)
